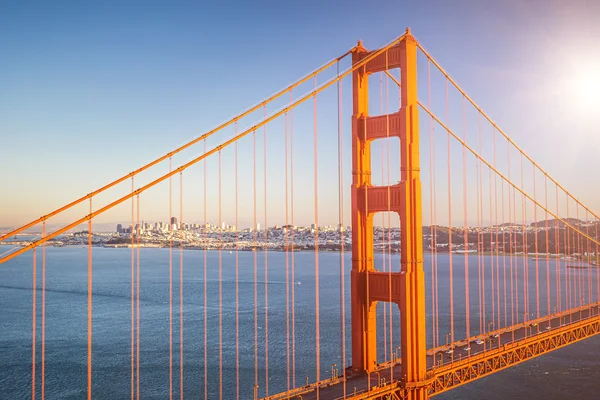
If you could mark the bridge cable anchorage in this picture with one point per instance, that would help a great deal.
(273, 116)
(183, 147)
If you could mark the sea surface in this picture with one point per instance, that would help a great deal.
(573, 372)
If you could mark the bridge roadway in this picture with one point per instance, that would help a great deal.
(442, 356)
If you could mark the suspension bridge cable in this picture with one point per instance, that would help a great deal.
(188, 144)
(226, 143)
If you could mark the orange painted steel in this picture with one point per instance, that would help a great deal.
(406, 288)
(164, 177)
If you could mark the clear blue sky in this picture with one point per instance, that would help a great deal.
(89, 92)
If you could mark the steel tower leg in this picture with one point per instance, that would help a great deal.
(407, 286)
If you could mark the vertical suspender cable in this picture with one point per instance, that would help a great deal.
(205, 288)
(89, 306)
(525, 245)
(557, 252)
(511, 248)
(220, 285)
(266, 265)
(170, 281)
(535, 236)
(567, 254)
(33, 321)
(465, 229)
(293, 255)
(287, 257)
(480, 250)
(450, 230)
(133, 371)
(181, 391)
(431, 200)
(547, 251)
(317, 317)
(137, 202)
(497, 260)
(255, 277)
(491, 256)
(43, 312)
(504, 256)
(237, 277)
(342, 238)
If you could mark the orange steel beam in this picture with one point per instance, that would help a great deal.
(462, 142)
(218, 148)
(412, 277)
(511, 354)
(500, 130)
(179, 149)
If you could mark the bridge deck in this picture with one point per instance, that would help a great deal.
(444, 358)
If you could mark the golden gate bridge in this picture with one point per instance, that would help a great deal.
(483, 287)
